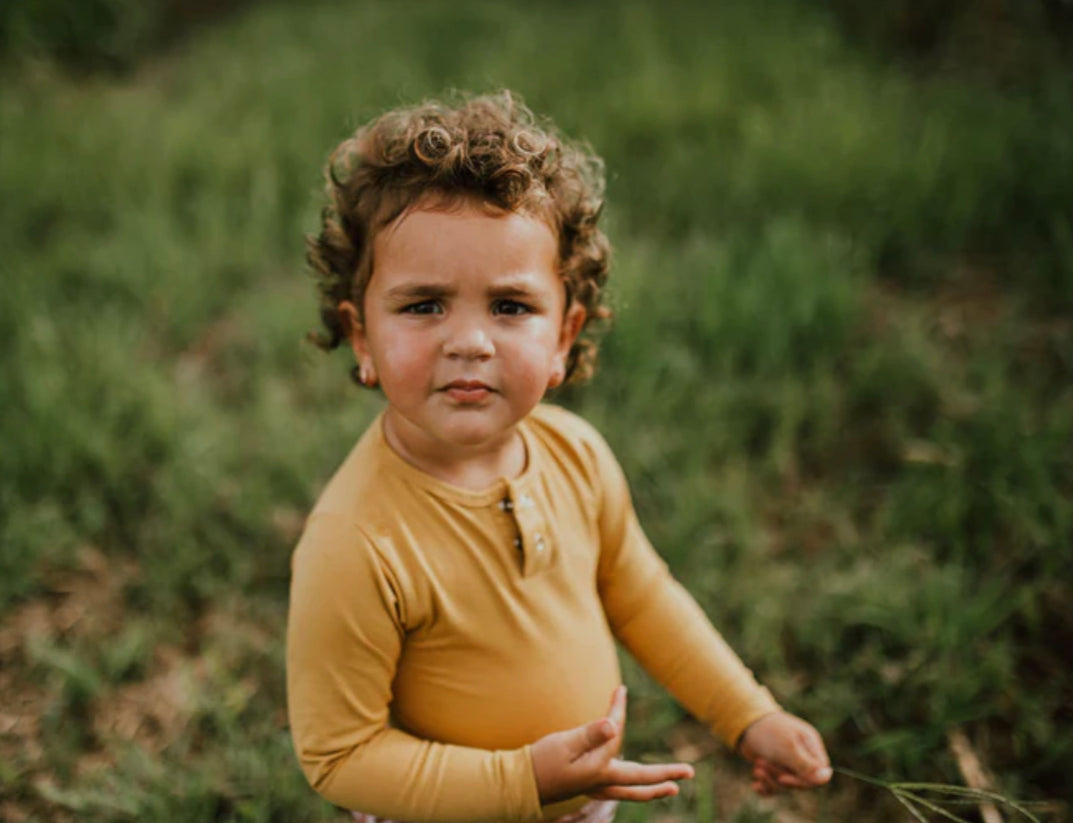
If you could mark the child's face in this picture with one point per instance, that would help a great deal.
(465, 324)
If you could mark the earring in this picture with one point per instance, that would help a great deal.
(367, 376)
(558, 375)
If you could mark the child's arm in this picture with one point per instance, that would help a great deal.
(673, 639)
(344, 636)
(664, 628)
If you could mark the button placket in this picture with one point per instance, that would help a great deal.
(535, 543)
(506, 505)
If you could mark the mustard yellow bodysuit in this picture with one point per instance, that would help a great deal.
(435, 632)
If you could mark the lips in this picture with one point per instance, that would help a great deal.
(467, 391)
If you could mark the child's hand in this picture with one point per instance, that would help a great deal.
(582, 761)
(786, 752)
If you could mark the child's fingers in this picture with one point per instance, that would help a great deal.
(639, 794)
(765, 778)
(800, 762)
(792, 781)
(771, 779)
(601, 739)
(811, 778)
(820, 773)
(629, 773)
(590, 738)
(617, 710)
(774, 779)
(810, 764)
(764, 771)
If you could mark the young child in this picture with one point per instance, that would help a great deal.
(460, 584)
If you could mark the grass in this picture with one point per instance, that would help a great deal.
(942, 799)
(838, 381)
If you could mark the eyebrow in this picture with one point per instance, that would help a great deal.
(418, 291)
(517, 289)
(435, 291)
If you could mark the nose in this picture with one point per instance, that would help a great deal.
(468, 341)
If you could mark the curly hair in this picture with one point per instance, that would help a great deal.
(489, 149)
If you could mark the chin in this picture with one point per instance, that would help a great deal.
(472, 435)
(476, 432)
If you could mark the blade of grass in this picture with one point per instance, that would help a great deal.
(861, 777)
(927, 804)
(969, 795)
(910, 808)
(954, 795)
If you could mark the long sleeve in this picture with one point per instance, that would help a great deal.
(662, 626)
(346, 628)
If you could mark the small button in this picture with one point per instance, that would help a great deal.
(525, 501)
(506, 505)
(539, 543)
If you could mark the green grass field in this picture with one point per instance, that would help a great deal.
(839, 381)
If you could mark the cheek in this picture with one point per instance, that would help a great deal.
(404, 360)
(533, 356)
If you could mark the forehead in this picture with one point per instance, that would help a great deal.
(452, 239)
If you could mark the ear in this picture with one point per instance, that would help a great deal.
(355, 332)
(573, 321)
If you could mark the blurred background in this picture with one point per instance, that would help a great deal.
(839, 379)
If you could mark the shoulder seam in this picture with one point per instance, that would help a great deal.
(386, 566)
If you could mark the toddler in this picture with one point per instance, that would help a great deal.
(460, 584)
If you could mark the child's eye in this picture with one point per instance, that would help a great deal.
(510, 308)
(423, 307)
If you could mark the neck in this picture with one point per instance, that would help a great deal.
(470, 467)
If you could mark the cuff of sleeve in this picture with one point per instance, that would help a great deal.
(731, 729)
(525, 798)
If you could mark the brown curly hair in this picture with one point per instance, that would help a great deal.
(487, 148)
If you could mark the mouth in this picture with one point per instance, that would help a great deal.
(467, 391)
